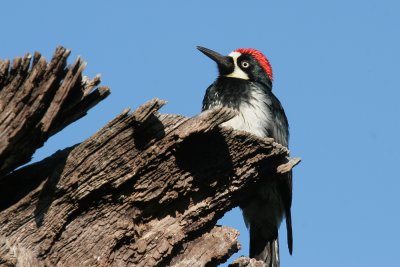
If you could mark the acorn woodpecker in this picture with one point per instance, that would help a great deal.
(245, 84)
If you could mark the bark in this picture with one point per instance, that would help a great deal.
(145, 190)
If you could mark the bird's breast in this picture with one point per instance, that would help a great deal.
(254, 115)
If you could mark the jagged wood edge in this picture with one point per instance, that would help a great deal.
(39, 99)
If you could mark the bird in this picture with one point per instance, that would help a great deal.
(244, 84)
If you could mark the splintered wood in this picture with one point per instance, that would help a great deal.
(39, 99)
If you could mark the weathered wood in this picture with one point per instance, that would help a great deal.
(39, 101)
(145, 190)
(288, 166)
(212, 248)
(246, 262)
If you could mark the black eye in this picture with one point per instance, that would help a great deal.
(245, 64)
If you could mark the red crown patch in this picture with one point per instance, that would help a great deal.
(259, 57)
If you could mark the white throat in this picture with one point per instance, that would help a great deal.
(237, 72)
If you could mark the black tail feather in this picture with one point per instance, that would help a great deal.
(264, 249)
(289, 231)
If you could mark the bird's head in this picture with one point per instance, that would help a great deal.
(243, 63)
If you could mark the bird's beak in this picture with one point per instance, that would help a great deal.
(225, 64)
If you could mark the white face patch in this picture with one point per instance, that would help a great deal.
(237, 72)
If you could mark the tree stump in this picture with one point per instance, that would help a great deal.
(146, 190)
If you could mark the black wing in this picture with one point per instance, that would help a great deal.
(209, 98)
(280, 127)
(280, 133)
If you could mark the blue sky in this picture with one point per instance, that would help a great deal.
(336, 67)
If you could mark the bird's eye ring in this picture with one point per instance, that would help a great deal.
(245, 64)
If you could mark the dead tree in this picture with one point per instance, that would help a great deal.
(146, 190)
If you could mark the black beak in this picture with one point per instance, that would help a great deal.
(225, 64)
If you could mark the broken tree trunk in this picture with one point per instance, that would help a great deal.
(145, 190)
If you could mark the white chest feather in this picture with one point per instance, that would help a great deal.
(254, 115)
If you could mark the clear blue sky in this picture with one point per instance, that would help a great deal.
(337, 69)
